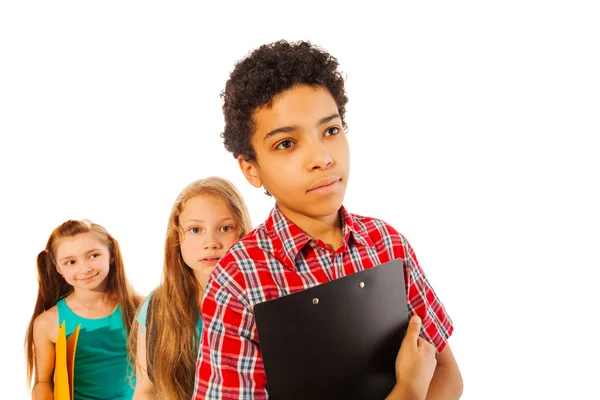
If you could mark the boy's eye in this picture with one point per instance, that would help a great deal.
(285, 144)
(334, 130)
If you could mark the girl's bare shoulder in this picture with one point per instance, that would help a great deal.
(46, 324)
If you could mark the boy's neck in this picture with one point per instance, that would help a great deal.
(327, 228)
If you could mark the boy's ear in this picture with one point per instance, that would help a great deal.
(250, 171)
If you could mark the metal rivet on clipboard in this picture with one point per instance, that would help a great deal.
(361, 285)
(315, 301)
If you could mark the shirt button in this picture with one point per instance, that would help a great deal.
(313, 244)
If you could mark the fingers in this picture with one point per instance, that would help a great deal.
(412, 340)
(413, 330)
(424, 346)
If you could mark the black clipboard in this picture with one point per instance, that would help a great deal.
(337, 340)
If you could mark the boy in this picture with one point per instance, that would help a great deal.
(284, 109)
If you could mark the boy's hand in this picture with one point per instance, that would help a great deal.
(415, 363)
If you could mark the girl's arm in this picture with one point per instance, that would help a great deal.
(43, 388)
(144, 389)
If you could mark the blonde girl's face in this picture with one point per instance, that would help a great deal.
(209, 230)
(83, 261)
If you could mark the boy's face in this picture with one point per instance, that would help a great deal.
(302, 155)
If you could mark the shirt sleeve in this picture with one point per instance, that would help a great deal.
(423, 301)
(230, 363)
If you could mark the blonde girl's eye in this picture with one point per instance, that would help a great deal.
(194, 230)
(226, 228)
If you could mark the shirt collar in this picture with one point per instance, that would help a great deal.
(289, 239)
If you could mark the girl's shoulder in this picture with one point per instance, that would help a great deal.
(46, 324)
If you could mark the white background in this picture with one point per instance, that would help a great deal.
(473, 130)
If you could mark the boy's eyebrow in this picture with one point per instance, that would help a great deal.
(327, 119)
(287, 129)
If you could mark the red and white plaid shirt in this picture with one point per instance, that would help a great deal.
(277, 259)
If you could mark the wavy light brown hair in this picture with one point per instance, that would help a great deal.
(52, 286)
(171, 342)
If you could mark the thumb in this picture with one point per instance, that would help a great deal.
(414, 328)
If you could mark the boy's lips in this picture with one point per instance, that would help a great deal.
(325, 183)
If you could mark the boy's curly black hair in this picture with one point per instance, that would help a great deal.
(265, 73)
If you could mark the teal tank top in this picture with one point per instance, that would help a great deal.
(101, 367)
(143, 315)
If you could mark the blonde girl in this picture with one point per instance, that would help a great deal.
(207, 218)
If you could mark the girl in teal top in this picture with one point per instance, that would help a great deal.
(101, 354)
(82, 283)
(207, 218)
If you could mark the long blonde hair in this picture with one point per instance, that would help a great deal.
(171, 342)
(53, 287)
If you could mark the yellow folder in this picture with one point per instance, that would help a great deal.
(64, 366)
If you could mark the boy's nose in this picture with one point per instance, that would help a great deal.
(320, 157)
